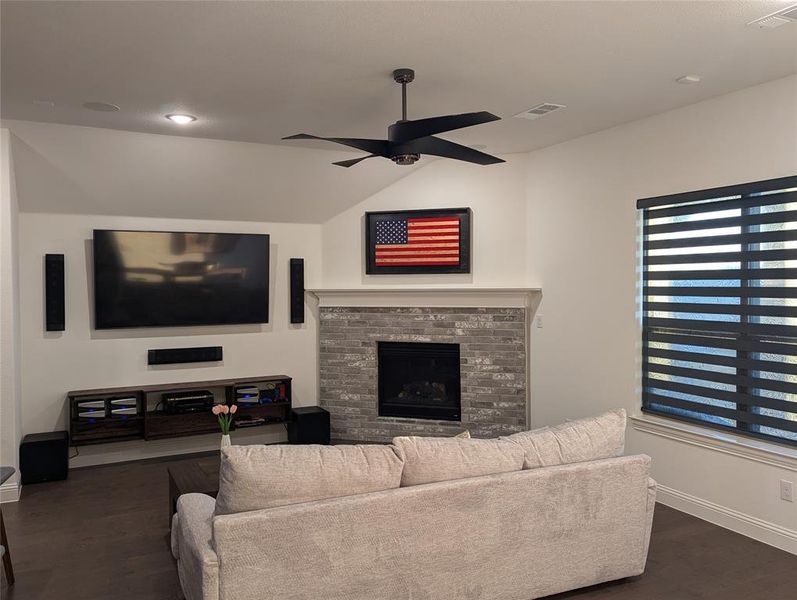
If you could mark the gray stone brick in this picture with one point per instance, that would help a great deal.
(493, 368)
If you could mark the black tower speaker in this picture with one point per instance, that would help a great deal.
(297, 290)
(44, 457)
(169, 356)
(309, 425)
(54, 303)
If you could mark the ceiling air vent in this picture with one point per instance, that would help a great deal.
(535, 112)
(776, 19)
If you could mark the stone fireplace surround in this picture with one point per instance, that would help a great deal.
(493, 338)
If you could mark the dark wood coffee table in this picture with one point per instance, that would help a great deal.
(200, 476)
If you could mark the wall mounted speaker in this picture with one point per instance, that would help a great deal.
(170, 356)
(297, 290)
(54, 301)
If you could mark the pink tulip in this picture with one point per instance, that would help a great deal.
(233, 409)
(216, 409)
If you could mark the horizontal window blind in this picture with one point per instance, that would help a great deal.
(719, 308)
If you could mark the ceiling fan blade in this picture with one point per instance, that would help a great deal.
(353, 161)
(439, 147)
(404, 131)
(378, 147)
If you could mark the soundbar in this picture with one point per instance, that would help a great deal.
(170, 356)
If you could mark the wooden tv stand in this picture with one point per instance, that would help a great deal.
(145, 419)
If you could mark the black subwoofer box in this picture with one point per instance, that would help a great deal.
(309, 425)
(44, 457)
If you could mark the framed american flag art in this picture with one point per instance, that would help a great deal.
(418, 241)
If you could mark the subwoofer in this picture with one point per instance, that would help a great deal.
(309, 425)
(44, 457)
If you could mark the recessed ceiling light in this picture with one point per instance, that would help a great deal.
(101, 106)
(181, 119)
(687, 79)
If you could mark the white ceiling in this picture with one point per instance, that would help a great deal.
(257, 71)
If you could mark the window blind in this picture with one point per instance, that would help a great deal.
(719, 308)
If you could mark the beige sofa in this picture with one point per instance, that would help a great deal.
(522, 533)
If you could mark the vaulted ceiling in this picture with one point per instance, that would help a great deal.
(257, 71)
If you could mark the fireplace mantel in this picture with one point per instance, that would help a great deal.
(509, 297)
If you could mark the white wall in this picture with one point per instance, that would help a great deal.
(81, 357)
(88, 170)
(10, 414)
(583, 250)
(107, 176)
(495, 193)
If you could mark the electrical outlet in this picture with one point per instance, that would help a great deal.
(538, 320)
(786, 491)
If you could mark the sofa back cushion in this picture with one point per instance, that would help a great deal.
(256, 477)
(427, 460)
(583, 440)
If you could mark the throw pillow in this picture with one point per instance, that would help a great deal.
(583, 440)
(427, 460)
(256, 477)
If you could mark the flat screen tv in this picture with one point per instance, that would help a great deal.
(167, 278)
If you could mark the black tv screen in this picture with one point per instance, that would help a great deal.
(167, 278)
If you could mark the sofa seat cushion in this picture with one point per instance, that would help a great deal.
(583, 440)
(427, 460)
(256, 477)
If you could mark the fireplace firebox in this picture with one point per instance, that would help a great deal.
(419, 380)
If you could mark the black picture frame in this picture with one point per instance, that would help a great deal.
(465, 242)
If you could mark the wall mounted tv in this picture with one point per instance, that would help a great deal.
(167, 278)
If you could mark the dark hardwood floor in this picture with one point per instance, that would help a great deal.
(102, 534)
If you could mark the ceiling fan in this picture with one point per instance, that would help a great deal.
(407, 140)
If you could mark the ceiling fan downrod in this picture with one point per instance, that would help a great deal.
(404, 76)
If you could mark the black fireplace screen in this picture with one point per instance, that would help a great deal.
(419, 380)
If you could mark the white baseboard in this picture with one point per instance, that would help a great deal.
(9, 492)
(753, 527)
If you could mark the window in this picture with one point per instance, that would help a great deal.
(719, 308)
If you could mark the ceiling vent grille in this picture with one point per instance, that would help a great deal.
(776, 19)
(535, 112)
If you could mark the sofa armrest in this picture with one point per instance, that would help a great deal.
(651, 508)
(192, 535)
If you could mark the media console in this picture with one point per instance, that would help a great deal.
(139, 412)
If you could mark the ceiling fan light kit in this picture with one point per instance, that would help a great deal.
(407, 140)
